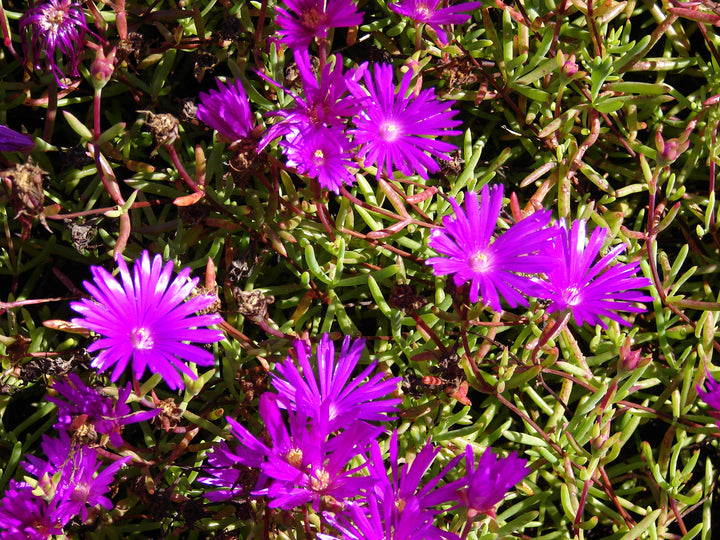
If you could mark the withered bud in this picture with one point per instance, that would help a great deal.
(164, 127)
(252, 304)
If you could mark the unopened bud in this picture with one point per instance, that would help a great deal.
(102, 67)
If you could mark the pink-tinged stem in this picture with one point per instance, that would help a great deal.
(51, 112)
(7, 38)
(181, 169)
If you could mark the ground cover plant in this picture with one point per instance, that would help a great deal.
(338, 270)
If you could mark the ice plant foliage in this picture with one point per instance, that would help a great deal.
(145, 319)
(54, 28)
(227, 111)
(427, 12)
(587, 289)
(495, 266)
(303, 21)
(397, 131)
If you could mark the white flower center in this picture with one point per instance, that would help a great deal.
(142, 339)
(422, 12)
(389, 131)
(320, 481)
(294, 457)
(572, 296)
(318, 157)
(479, 262)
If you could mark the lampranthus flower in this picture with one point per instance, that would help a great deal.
(12, 141)
(494, 266)
(711, 396)
(488, 483)
(427, 12)
(56, 26)
(590, 291)
(399, 132)
(302, 21)
(101, 414)
(328, 393)
(144, 319)
(322, 153)
(324, 101)
(26, 516)
(227, 111)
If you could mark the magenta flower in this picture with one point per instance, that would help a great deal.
(57, 26)
(488, 483)
(11, 141)
(328, 393)
(712, 396)
(306, 20)
(227, 111)
(397, 132)
(72, 478)
(25, 516)
(322, 153)
(300, 464)
(81, 485)
(494, 266)
(590, 291)
(427, 12)
(145, 320)
(324, 101)
(106, 415)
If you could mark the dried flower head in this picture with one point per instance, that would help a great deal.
(57, 26)
(145, 320)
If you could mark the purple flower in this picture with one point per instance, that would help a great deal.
(492, 267)
(395, 131)
(25, 516)
(81, 485)
(306, 20)
(71, 478)
(145, 320)
(324, 102)
(105, 415)
(399, 502)
(589, 290)
(488, 483)
(328, 393)
(378, 520)
(323, 153)
(55, 26)
(712, 396)
(11, 141)
(227, 111)
(427, 12)
(301, 465)
(224, 469)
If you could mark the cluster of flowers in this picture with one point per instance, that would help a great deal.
(346, 120)
(74, 478)
(323, 449)
(343, 118)
(533, 259)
